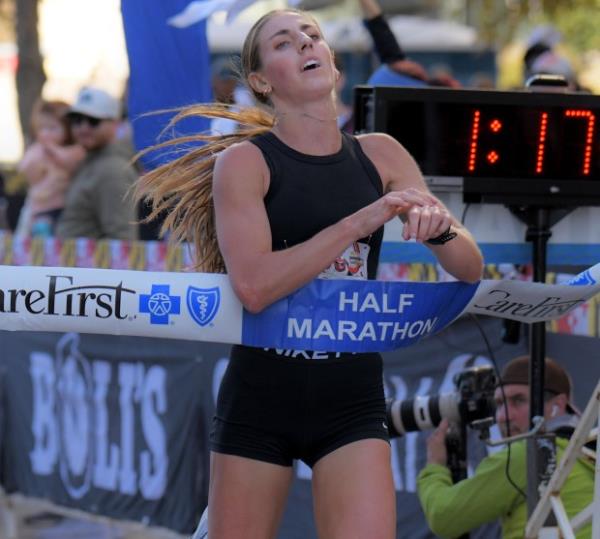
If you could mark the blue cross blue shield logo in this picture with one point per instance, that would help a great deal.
(203, 303)
(583, 279)
(159, 304)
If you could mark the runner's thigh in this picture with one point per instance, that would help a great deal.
(354, 494)
(246, 497)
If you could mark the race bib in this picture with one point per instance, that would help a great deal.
(351, 264)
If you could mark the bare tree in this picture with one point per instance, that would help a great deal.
(30, 70)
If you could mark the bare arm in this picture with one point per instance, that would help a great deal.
(259, 275)
(399, 172)
(370, 8)
(66, 157)
(33, 165)
(386, 45)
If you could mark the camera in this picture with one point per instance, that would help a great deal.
(472, 404)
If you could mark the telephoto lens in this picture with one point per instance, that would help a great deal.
(472, 401)
(421, 413)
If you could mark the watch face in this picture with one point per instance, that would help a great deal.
(488, 134)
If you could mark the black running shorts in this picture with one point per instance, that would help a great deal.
(277, 409)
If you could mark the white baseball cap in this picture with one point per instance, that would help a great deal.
(96, 103)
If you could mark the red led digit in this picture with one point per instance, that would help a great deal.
(474, 141)
(541, 149)
(492, 157)
(589, 136)
(495, 125)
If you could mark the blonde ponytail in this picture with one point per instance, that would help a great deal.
(181, 190)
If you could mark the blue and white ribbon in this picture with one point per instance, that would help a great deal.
(329, 315)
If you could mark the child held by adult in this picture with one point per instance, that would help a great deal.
(47, 166)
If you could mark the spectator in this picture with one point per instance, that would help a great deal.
(542, 39)
(542, 58)
(396, 69)
(496, 489)
(95, 206)
(550, 63)
(47, 166)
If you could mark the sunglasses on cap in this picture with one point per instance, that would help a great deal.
(78, 119)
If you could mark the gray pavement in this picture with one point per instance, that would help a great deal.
(22, 518)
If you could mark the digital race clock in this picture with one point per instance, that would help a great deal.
(521, 147)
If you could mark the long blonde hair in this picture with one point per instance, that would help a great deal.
(181, 189)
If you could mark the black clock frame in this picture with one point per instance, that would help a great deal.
(373, 111)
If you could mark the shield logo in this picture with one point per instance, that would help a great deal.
(203, 303)
(583, 279)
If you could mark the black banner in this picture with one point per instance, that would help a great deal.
(119, 426)
(113, 426)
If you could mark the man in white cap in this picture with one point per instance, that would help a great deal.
(96, 204)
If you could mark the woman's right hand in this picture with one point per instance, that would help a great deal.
(411, 201)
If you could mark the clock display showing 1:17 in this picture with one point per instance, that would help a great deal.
(579, 139)
(518, 140)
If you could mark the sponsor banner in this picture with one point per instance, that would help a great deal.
(583, 320)
(198, 307)
(109, 425)
(357, 316)
(162, 256)
(329, 315)
(534, 302)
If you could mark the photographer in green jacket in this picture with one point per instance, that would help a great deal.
(495, 491)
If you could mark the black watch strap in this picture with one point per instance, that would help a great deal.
(444, 237)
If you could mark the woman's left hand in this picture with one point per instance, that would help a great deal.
(426, 221)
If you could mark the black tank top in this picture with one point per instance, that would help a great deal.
(308, 193)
